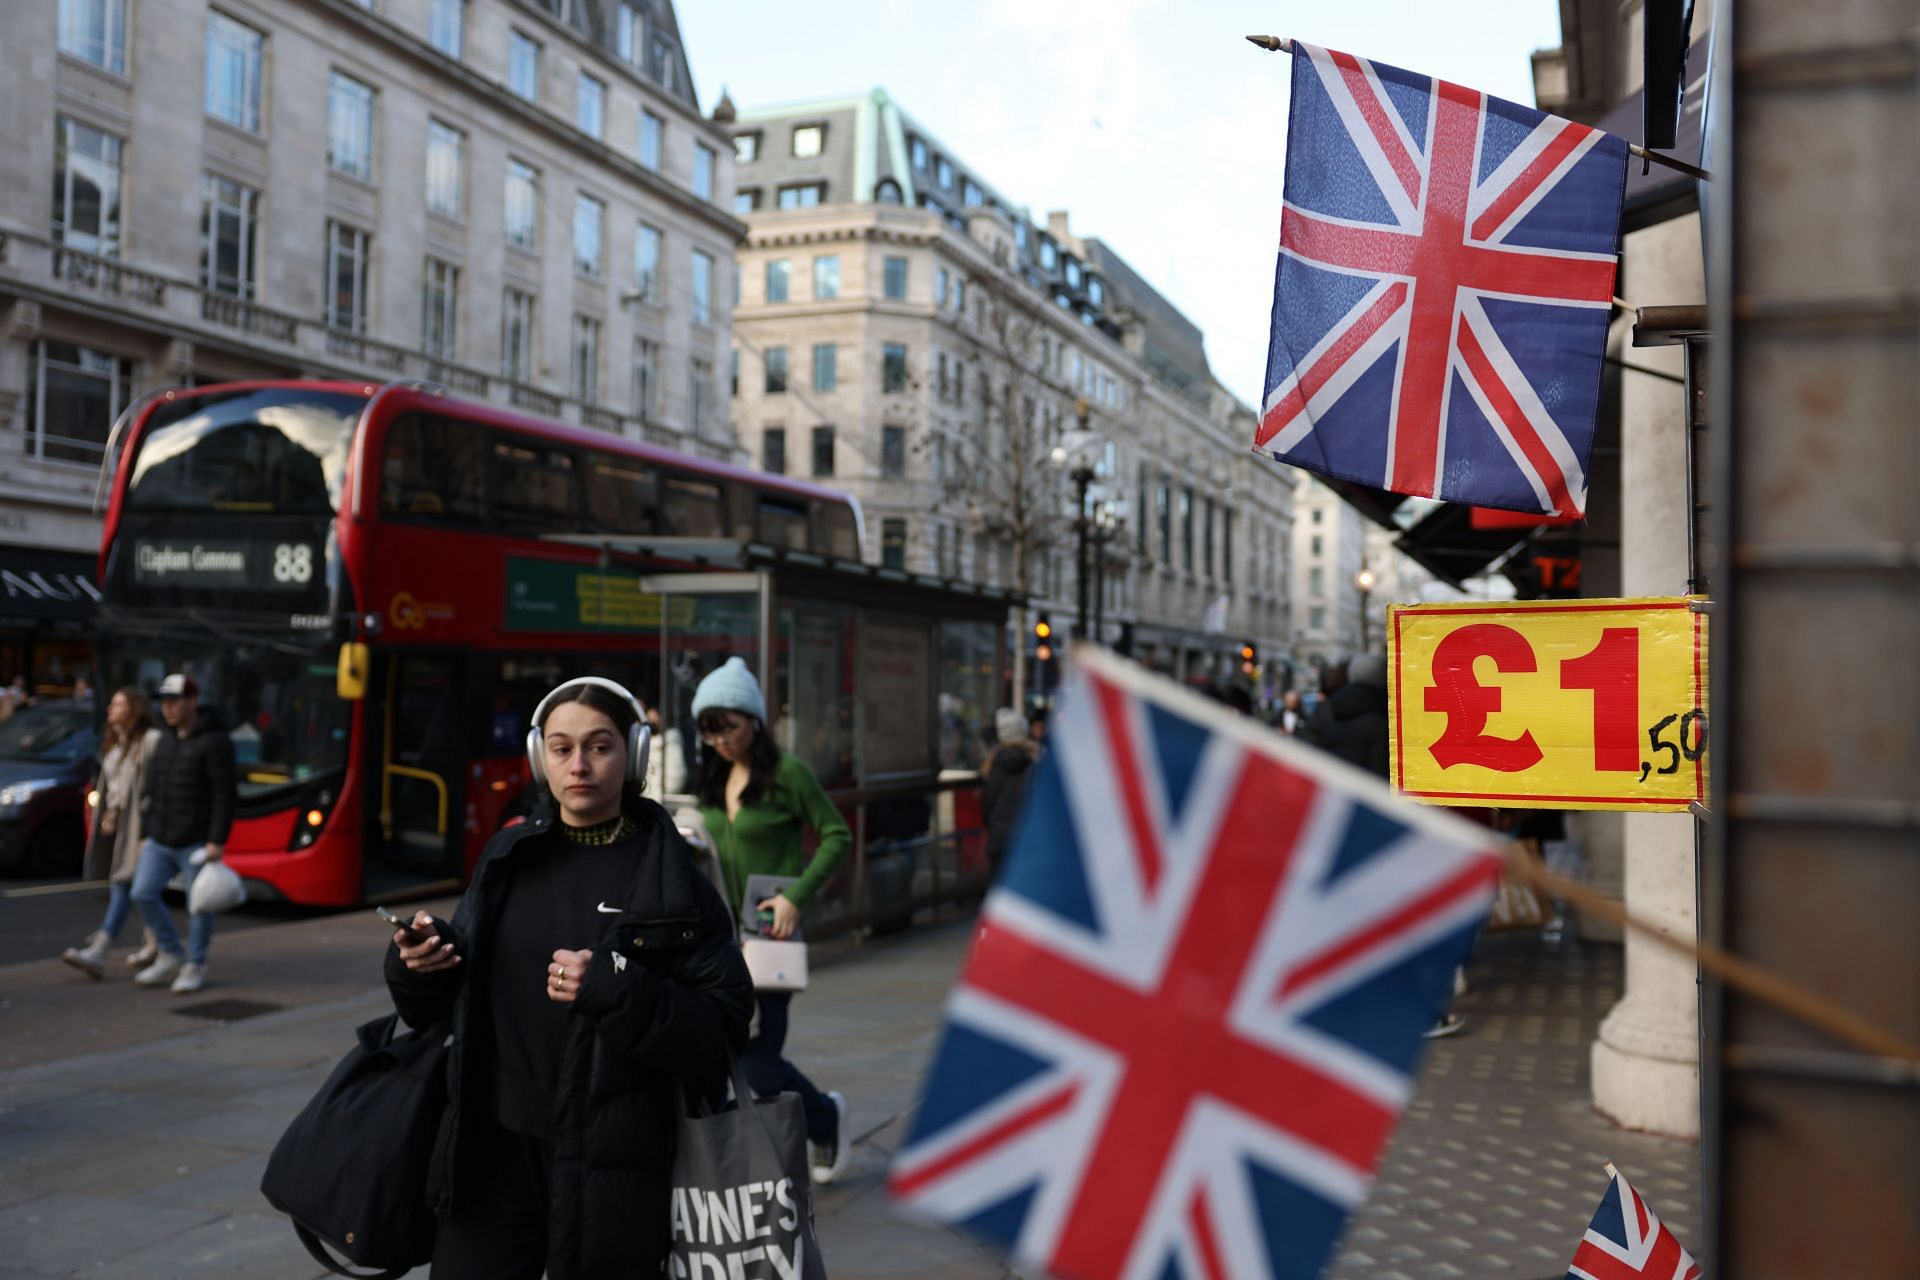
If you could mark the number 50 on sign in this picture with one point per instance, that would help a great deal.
(1561, 704)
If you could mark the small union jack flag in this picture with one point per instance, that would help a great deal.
(1627, 1241)
(1441, 302)
(1191, 1016)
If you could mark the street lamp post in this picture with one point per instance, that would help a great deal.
(1364, 580)
(1073, 450)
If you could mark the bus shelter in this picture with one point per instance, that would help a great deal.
(884, 682)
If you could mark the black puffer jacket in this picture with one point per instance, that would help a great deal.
(1004, 794)
(671, 1008)
(1354, 726)
(190, 786)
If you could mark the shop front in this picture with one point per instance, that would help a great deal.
(47, 603)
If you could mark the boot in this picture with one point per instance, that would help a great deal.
(92, 958)
(149, 952)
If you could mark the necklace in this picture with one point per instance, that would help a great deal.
(608, 832)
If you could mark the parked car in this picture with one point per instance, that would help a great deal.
(46, 768)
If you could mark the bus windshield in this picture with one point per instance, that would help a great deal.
(268, 449)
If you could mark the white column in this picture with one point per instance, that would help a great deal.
(1646, 1062)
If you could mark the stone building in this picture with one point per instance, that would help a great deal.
(1329, 547)
(518, 199)
(907, 332)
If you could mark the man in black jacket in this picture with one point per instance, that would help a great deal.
(189, 811)
(1351, 722)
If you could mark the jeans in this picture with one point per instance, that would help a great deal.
(119, 905)
(159, 863)
(769, 1073)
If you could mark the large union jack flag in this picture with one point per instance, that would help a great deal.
(1441, 301)
(1190, 1018)
(1627, 1241)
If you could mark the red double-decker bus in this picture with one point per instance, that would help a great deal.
(374, 585)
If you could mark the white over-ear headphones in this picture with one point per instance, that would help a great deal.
(639, 738)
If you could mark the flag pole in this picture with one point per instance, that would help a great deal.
(1280, 44)
(1747, 978)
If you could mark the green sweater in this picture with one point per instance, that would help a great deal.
(766, 838)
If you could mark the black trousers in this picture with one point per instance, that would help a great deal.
(497, 1227)
(770, 1073)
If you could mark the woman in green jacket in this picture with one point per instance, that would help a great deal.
(757, 803)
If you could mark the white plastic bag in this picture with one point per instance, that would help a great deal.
(217, 887)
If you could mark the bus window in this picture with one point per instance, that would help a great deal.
(834, 533)
(691, 508)
(435, 470)
(781, 521)
(279, 450)
(532, 487)
(623, 495)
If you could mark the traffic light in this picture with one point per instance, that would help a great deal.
(1249, 656)
(1043, 638)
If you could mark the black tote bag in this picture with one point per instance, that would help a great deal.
(352, 1167)
(742, 1198)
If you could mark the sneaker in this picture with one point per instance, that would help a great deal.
(1450, 1024)
(161, 971)
(90, 959)
(192, 978)
(149, 952)
(830, 1158)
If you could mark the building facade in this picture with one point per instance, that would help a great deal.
(516, 199)
(1329, 549)
(906, 332)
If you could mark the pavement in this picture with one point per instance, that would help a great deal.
(136, 1153)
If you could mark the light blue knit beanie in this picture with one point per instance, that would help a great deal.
(730, 686)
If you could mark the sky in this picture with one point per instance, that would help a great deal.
(1153, 122)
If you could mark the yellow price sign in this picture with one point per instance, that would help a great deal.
(1549, 704)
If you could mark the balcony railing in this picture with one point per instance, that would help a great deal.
(365, 351)
(238, 313)
(92, 272)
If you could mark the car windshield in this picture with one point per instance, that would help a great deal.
(56, 732)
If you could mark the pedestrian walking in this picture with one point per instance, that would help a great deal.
(1292, 719)
(557, 1147)
(1005, 778)
(115, 847)
(666, 759)
(189, 800)
(758, 803)
(1354, 726)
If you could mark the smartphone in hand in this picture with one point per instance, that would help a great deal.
(413, 935)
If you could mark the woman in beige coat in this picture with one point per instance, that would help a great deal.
(116, 828)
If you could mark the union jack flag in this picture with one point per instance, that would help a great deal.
(1441, 301)
(1627, 1241)
(1191, 1016)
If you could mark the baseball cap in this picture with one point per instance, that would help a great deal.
(179, 686)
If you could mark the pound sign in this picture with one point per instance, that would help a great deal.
(1467, 703)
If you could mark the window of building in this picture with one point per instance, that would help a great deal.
(775, 361)
(970, 194)
(653, 131)
(523, 206)
(699, 395)
(746, 200)
(1316, 581)
(230, 229)
(807, 139)
(1186, 529)
(447, 26)
(773, 450)
(86, 188)
(893, 367)
(702, 292)
(95, 31)
(585, 350)
(893, 452)
(943, 173)
(746, 148)
(1163, 508)
(1206, 537)
(826, 276)
(661, 61)
(1140, 523)
(806, 195)
(440, 310)
(960, 298)
(940, 278)
(1317, 618)
(917, 151)
(646, 262)
(1073, 272)
(1315, 543)
(1226, 544)
(1049, 256)
(74, 393)
(893, 543)
(646, 377)
(590, 106)
(704, 165)
(589, 222)
(894, 275)
(523, 66)
(629, 31)
(233, 72)
(350, 126)
(778, 273)
(347, 254)
(1317, 513)
(823, 451)
(826, 366)
(446, 170)
(1096, 292)
(517, 335)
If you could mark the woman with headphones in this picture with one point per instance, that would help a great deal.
(589, 974)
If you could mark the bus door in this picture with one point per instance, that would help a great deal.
(417, 810)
